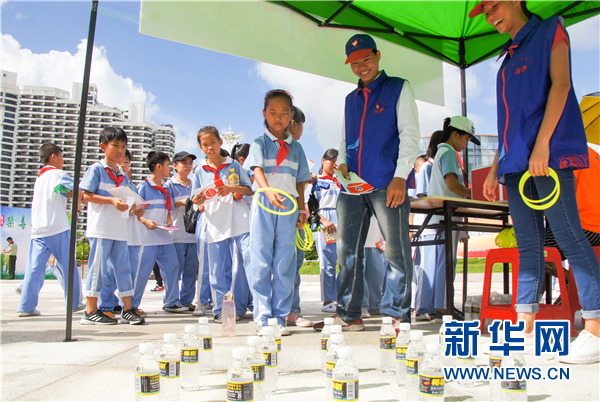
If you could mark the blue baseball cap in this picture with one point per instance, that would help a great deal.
(358, 47)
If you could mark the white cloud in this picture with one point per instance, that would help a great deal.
(586, 34)
(61, 69)
(19, 16)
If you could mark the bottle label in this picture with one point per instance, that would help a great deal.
(205, 343)
(495, 362)
(431, 386)
(330, 367)
(259, 372)
(278, 342)
(387, 343)
(475, 310)
(147, 385)
(324, 344)
(189, 356)
(412, 367)
(169, 369)
(401, 353)
(513, 386)
(468, 359)
(240, 391)
(345, 390)
(270, 359)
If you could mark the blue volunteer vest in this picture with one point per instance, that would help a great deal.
(522, 87)
(372, 137)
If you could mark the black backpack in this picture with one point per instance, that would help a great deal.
(190, 216)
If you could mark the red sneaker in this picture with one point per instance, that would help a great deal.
(356, 325)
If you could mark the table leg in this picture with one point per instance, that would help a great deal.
(449, 262)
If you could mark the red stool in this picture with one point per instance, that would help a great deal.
(506, 311)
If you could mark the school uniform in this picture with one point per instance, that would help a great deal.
(326, 190)
(375, 268)
(185, 243)
(273, 237)
(157, 246)
(203, 289)
(50, 234)
(227, 222)
(106, 232)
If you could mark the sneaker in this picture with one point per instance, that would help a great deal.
(25, 314)
(423, 317)
(158, 289)
(200, 309)
(117, 309)
(131, 317)
(365, 313)
(108, 314)
(218, 318)
(356, 325)
(97, 318)
(140, 312)
(192, 307)
(284, 331)
(80, 307)
(176, 308)
(298, 320)
(329, 308)
(18, 290)
(209, 306)
(585, 349)
(238, 317)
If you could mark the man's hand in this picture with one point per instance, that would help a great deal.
(343, 168)
(538, 161)
(301, 220)
(396, 192)
(489, 186)
(120, 204)
(199, 199)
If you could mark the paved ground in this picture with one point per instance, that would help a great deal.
(37, 365)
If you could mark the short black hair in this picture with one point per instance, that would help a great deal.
(208, 130)
(434, 141)
(9, 238)
(128, 155)
(112, 134)
(156, 158)
(240, 151)
(298, 115)
(47, 150)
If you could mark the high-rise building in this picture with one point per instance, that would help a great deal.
(33, 115)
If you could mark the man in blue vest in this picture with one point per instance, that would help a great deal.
(380, 140)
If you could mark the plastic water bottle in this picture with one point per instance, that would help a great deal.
(387, 346)
(240, 379)
(272, 322)
(335, 329)
(228, 316)
(336, 341)
(130, 201)
(257, 364)
(345, 376)
(495, 362)
(446, 360)
(205, 350)
(169, 363)
(468, 309)
(190, 367)
(402, 342)
(513, 390)
(467, 363)
(234, 180)
(431, 374)
(269, 350)
(325, 334)
(414, 356)
(147, 375)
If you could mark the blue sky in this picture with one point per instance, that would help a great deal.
(188, 87)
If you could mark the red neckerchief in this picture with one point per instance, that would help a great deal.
(165, 192)
(333, 179)
(215, 171)
(117, 179)
(283, 151)
(45, 169)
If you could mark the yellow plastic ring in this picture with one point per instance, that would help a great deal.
(552, 198)
(260, 190)
(308, 241)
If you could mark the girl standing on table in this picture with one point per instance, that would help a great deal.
(540, 127)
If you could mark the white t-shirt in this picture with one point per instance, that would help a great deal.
(48, 208)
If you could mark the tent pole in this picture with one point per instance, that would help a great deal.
(77, 172)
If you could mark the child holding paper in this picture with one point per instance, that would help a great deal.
(227, 220)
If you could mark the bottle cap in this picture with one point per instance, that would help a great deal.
(446, 318)
(328, 321)
(434, 348)
(253, 341)
(268, 331)
(170, 338)
(337, 338)
(240, 353)
(203, 320)
(190, 328)
(146, 348)
(387, 320)
(416, 335)
(404, 326)
(345, 352)
(272, 321)
(336, 329)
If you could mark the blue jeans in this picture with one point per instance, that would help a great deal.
(375, 267)
(563, 217)
(354, 214)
